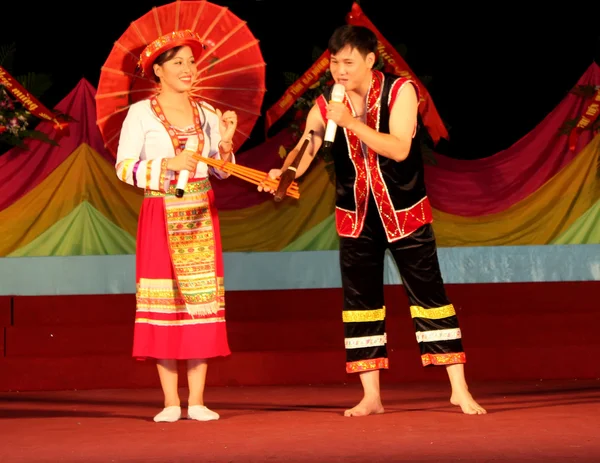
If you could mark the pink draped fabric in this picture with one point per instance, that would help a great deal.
(493, 184)
(22, 170)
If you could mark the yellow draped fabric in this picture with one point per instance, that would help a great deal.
(83, 176)
(271, 226)
(537, 219)
(84, 232)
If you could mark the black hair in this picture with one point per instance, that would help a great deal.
(163, 58)
(359, 37)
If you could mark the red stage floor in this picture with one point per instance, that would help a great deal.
(547, 421)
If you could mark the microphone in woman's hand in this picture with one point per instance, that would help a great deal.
(190, 145)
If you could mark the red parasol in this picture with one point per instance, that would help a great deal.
(231, 71)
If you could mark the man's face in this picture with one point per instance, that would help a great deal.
(349, 68)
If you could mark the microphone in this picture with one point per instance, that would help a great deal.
(337, 94)
(191, 145)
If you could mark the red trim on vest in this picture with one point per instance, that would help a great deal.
(397, 86)
(322, 104)
(397, 224)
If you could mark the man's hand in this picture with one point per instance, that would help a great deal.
(274, 174)
(339, 113)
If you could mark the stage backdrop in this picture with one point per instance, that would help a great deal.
(68, 224)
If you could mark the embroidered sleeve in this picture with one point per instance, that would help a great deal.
(147, 174)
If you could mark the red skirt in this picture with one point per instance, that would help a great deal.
(180, 296)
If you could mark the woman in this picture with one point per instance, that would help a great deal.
(179, 270)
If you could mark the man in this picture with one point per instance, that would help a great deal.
(381, 203)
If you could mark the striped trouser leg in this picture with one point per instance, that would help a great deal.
(435, 321)
(361, 264)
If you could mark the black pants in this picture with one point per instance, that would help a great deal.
(362, 269)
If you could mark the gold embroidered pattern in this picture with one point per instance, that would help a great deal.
(156, 108)
(182, 322)
(125, 165)
(191, 241)
(367, 365)
(439, 335)
(163, 175)
(443, 359)
(200, 186)
(149, 173)
(366, 341)
(159, 295)
(433, 313)
(190, 233)
(350, 316)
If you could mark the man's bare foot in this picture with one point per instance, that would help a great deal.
(466, 402)
(460, 391)
(367, 406)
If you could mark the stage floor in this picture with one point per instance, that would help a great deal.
(528, 421)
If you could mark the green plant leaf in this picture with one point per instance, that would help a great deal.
(12, 140)
(7, 56)
(290, 78)
(316, 53)
(402, 49)
(36, 135)
(36, 84)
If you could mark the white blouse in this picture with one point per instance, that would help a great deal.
(145, 145)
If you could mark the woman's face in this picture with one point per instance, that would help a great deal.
(178, 72)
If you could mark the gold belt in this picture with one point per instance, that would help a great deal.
(196, 186)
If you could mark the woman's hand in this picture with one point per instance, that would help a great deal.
(183, 161)
(227, 126)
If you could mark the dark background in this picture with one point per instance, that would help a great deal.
(496, 70)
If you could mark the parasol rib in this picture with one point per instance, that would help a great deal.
(223, 40)
(223, 58)
(110, 140)
(139, 33)
(247, 111)
(262, 90)
(123, 73)
(126, 51)
(122, 93)
(197, 18)
(214, 23)
(115, 112)
(177, 11)
(157, 21)
(231, 71)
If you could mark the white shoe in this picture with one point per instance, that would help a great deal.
(201, 413)
(168, 415)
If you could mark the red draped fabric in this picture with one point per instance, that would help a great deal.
(493, 184)
(22, 170)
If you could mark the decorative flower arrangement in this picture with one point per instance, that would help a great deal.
(13, 120)
(16, 122)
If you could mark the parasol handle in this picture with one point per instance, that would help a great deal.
(290, 173)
